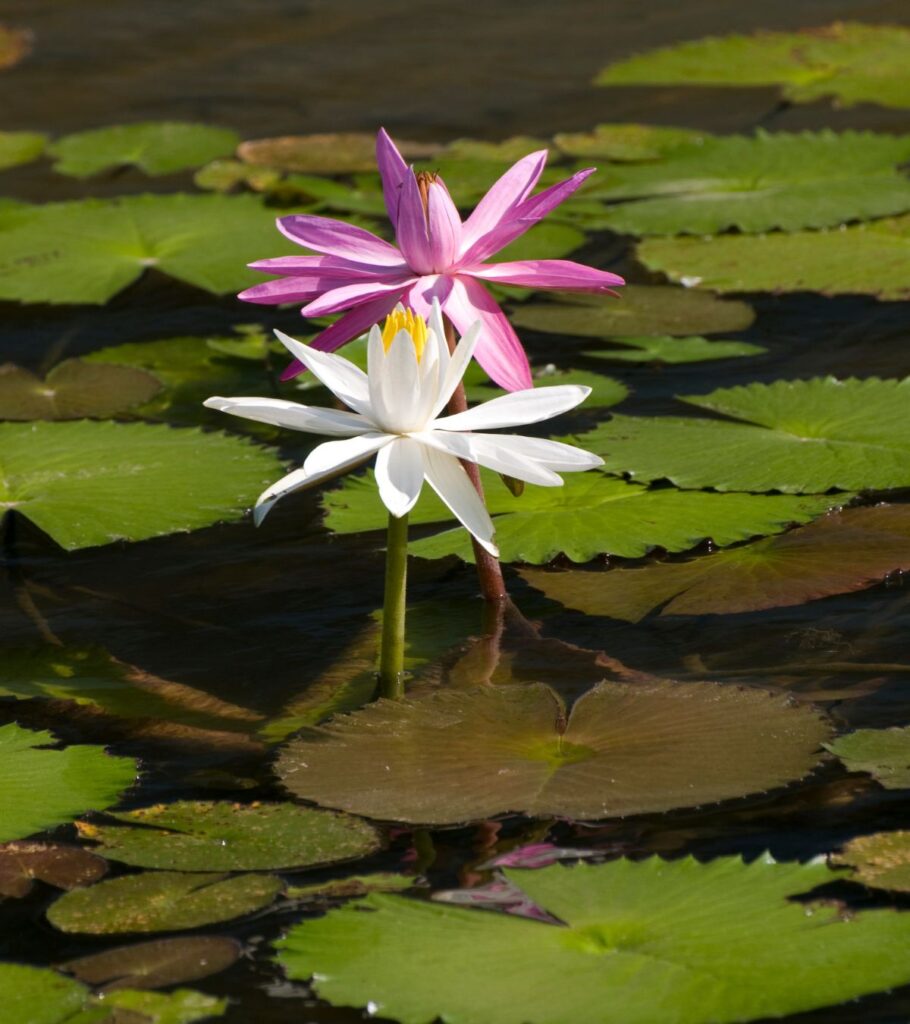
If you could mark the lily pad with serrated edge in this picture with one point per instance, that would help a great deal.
(161, 901)
(629, 142)
(20, 147)
(87, 483)
(457, 756)
(670, 350)
(193, 835)
(884, 753)
(635, 942)
(800, 436)
(837, 554)
(42, 787)
(66, 867)
(880, 860)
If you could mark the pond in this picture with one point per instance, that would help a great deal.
(699, 686)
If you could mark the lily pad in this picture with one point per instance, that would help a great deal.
(834, 555)
(88, 250)
(784, 180)
(800, 436)
(549, 240)
(220, 836)
(667, 349)
(346, 888)
(41, 787)
(15, 43)
(161, 901)
(639, 310)
(507, 150)
(867, 259)
(455, 756)
(605, 391)
(337, 153)
(881, 860)
(65, 867)
(852, 62)
(639, 942)
(89, 483)
(183, 1006)
(629, 142)
(590, 514)
(19, 147)
(156, 147)
(884, 753)
(73, 390)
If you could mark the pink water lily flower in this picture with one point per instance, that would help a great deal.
(437, 256)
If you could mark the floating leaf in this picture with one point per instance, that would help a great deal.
(161, 901)
(884, 753)
(835, 555)
(549, 240)
(65, 867)
(219, 836)
(156, 147)
(72, 390)
(605, 391)
(338, 153)
(784, 180)
(869, 259)
(667, 349)
(881, 860)
(15, 43)
(91, 483)
(629, 142)
(35, 995)
(800, 436)
(19, 147)
(183, 1006)
(852, 62)
(346, 888)
(40, 788)
(87, 251)
(639, 310)
(455, 756)
(507, 151)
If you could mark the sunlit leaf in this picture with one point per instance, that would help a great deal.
(161, 901)
(549, 240)
(88, 483)
(629, 142)
(464, 755)
(19, 147)
(15, 43)
(880, 860)
(65, 867)
(884, 753)
(667, 349)
(837, 554)
(42, 787)
(183, 1006)
(852, 62)
(35, 995)
(337, 153)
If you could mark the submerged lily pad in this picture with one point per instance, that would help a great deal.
(852, 62)
(65, 867)
(20, 147)
(639, 941)
(667, 349)
(15, 43)
(72, 390)
(161, 901)
(336, 153)
(89, 483)
(884, 753)
(867, 259)
(799, 436)
(156, 147)
(881, 860)
(41, 787)
(834, 555)
(208, 836)
(629, 142)
(455, 756)
(639, 310)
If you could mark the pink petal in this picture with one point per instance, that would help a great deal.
(354, 294)
(351, 325)
(562, 274)
(392, 169)
(444, 226)
(337, 238)
(334, 265)
(420, 295)
(411, 232)
(498, 349)
(284, 289)
(503, 196)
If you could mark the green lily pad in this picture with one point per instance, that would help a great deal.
(784, 180)
(629, 142)
(884, 753)
(345, 888)
(20, 147)
(834, 555)
(161, 901)
(590, 514)
(72, 390)
(667, 349)
(65, 867)
(506, 151)
(867, 259)
(226, 175)
(881, 860)
(852, 62)
(156, 147)
(183, 1006)
(88, 250)
(639, 310)
(336, 153)
(455, 756)
(549, 240)
(605, 391)
(88, 483)
(41, 788)
(15, 43)
(219, 836)
(800, 436)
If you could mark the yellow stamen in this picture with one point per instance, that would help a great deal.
(405, 320)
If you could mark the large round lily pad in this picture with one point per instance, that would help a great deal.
(456, 756)
(635, 943)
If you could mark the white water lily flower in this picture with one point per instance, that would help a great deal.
(396, 416)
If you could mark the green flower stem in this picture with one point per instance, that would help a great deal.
(391, 655)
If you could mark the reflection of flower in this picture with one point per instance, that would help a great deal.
(396, 407)
(436, 257)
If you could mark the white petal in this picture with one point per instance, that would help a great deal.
(517, 408)
(564, 458)
(458, 364)
(437, 324)
(332, 422)
(400, 386)
(399, 474)
(345, 380)
(449, 480)
(490, 450)
(375, 370)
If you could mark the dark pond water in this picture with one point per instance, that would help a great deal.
(253, 617)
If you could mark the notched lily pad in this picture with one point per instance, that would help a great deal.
(456, 756)
(670, 350)
(336, 153)
(884, 753)
(65, 867)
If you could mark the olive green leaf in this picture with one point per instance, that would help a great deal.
(19, 147)
(884, 753)
(880, 860)
(629, 142)
(667, 349)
